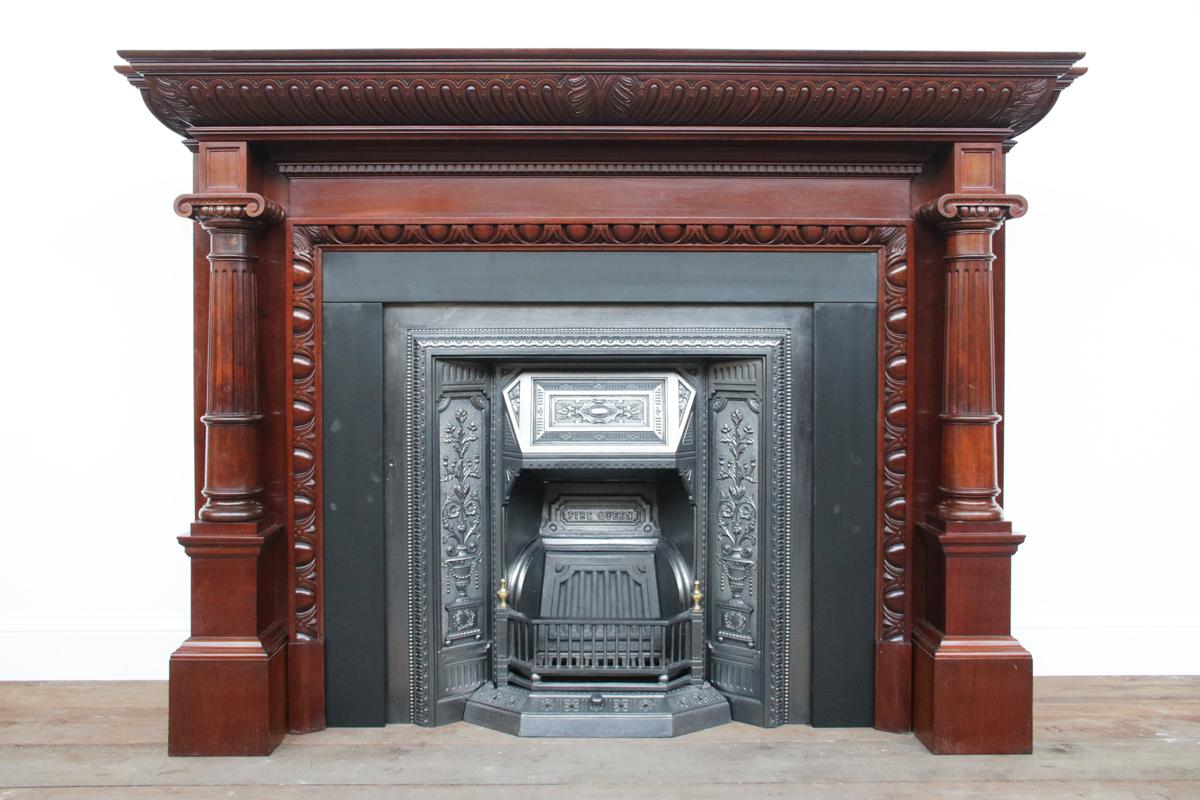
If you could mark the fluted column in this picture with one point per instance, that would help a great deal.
(232, 483)
(970, 483)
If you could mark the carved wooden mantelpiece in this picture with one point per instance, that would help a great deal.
(388, 92)
(901, 154)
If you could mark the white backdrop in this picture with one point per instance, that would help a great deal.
(1103, 281)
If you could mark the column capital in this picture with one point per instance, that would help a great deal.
(247, 206)
(971, 210)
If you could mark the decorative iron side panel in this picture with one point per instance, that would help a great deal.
(456, 481)
(737, 525)
(463, 524)
(737, 521)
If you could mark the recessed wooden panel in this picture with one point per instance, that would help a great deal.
(525, 199)
(223, 167)
(979, 169)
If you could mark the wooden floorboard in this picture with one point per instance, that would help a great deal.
(1094, 738)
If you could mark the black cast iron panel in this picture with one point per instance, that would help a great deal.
(591, 277)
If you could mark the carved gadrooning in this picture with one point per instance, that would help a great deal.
(893, 522)
(406, 96)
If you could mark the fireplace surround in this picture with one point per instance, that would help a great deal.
(305, 158)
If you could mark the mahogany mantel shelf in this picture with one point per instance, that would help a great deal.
(901, 154)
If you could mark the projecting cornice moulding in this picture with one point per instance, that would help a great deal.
(565, 94)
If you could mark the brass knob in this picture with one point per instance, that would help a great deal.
(503, 593)
(697, 596)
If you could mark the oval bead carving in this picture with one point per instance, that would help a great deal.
(303, 505)
(302, 366)
(302, 412)
(897, 414)
(302, 320)
(302, 460)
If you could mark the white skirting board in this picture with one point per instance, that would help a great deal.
(1117, 650)
(75, 655)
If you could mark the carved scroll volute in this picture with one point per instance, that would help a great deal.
(232, 484)
(969, 479)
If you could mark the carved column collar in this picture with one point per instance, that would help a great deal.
(249, 206)
(960, 208)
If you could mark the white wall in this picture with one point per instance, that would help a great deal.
(1103, 281)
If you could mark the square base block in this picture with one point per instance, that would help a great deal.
(227, 705)
(973, 695)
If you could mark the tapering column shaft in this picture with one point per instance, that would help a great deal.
(970, 481)
(232, 486)
(232, 418)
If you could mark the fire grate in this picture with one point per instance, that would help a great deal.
(599, 648)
